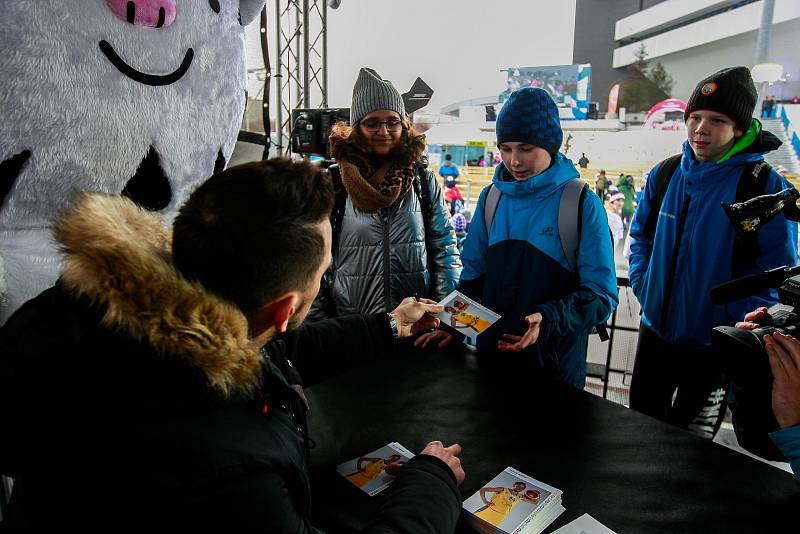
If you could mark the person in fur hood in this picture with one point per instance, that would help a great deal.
(139, 391)
(392, 231)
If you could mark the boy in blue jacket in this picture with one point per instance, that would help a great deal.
(692, 250)
(518, 268)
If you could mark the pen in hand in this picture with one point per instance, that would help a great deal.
(416, 299)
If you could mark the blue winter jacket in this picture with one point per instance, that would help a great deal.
(691, 217)
(521, 269)
(448, 168)
(788, 441)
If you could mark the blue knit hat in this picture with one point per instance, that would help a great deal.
(530, 116)
(459, 222)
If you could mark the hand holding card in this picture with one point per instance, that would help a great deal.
(462, 315)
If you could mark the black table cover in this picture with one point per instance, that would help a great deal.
(631, 472)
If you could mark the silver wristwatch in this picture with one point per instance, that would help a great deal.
(393, 326)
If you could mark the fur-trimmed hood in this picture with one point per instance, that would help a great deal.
(119, 256)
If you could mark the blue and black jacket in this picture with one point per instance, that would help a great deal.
(692, 249)
(521, 269)
(788, 441)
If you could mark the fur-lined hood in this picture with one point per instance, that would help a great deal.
(119, 255)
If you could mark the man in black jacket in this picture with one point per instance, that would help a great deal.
(139, 389)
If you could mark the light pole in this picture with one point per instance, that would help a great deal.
(762, 43)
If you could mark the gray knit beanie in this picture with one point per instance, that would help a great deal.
(372, 93)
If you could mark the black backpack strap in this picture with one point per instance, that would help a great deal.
(752, 183)
(324, 305)
(664, 174)
(339, 204)
(421, 185)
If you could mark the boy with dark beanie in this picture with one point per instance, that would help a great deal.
(518, 268)
(682, 245)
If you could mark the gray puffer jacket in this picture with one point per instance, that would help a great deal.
(380, 258)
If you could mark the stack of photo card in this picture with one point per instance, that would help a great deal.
(373, 472)
(513, 503)
(462, 315)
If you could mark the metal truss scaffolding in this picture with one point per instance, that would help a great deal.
(301, 63)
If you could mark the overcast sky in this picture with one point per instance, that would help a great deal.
(457, 46)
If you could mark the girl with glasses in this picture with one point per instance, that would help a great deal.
(392, 235)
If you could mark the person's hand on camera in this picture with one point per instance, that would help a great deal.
(448, 455)
(437, 338)
(512, 343)
(753, 319)
(784, 359)
(413, 315)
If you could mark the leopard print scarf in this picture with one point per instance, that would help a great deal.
(371, 187)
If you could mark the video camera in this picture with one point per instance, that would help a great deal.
(784, 319)
(311, 129)
(748, 218)
(741, 353)
(742, 356)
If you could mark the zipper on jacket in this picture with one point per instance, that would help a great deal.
(674, 263)
(387, 291)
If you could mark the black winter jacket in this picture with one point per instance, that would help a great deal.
(380, 258)
(130, 398)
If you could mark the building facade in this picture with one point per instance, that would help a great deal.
(691, 39)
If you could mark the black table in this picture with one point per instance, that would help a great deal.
(631, 472)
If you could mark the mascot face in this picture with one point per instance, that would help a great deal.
(142, 98)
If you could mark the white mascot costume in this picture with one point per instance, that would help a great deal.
(142, 98)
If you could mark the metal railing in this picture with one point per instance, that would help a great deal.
(472, 180)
